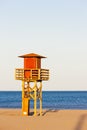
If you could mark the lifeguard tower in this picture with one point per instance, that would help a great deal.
(31, 72)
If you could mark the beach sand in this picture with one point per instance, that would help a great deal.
(11, 119)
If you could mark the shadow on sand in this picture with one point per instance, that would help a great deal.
(49, 110)
(44, 113)
(81, 122)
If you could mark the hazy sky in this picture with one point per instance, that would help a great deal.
(53, 28)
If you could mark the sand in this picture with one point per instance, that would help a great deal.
(11, 119)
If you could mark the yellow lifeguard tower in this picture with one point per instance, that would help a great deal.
(31, 72)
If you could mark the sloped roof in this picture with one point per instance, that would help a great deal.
(31, 55)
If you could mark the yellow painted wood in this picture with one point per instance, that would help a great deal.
(22, 96)
(35, 98)
(35, 74)
(25, 106)
(40, 98)
(31, 93)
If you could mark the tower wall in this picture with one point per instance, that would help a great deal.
(31, 63)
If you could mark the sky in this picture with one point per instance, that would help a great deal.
(56, 29)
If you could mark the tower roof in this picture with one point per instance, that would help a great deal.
(31, 55)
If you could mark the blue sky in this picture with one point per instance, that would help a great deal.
(53, 28)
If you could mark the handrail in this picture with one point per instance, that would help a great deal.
(33, 74)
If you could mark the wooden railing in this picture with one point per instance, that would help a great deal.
(32, 74)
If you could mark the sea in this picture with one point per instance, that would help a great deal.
(51, 99)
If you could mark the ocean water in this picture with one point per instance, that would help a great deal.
(51, 99)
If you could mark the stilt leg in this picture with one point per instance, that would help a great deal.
(24, 101)
(40, 98)
(35, 98)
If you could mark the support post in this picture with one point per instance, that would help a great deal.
(35, 97)
(24, 101)
(40, 98)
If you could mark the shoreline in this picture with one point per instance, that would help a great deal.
(12, 119)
